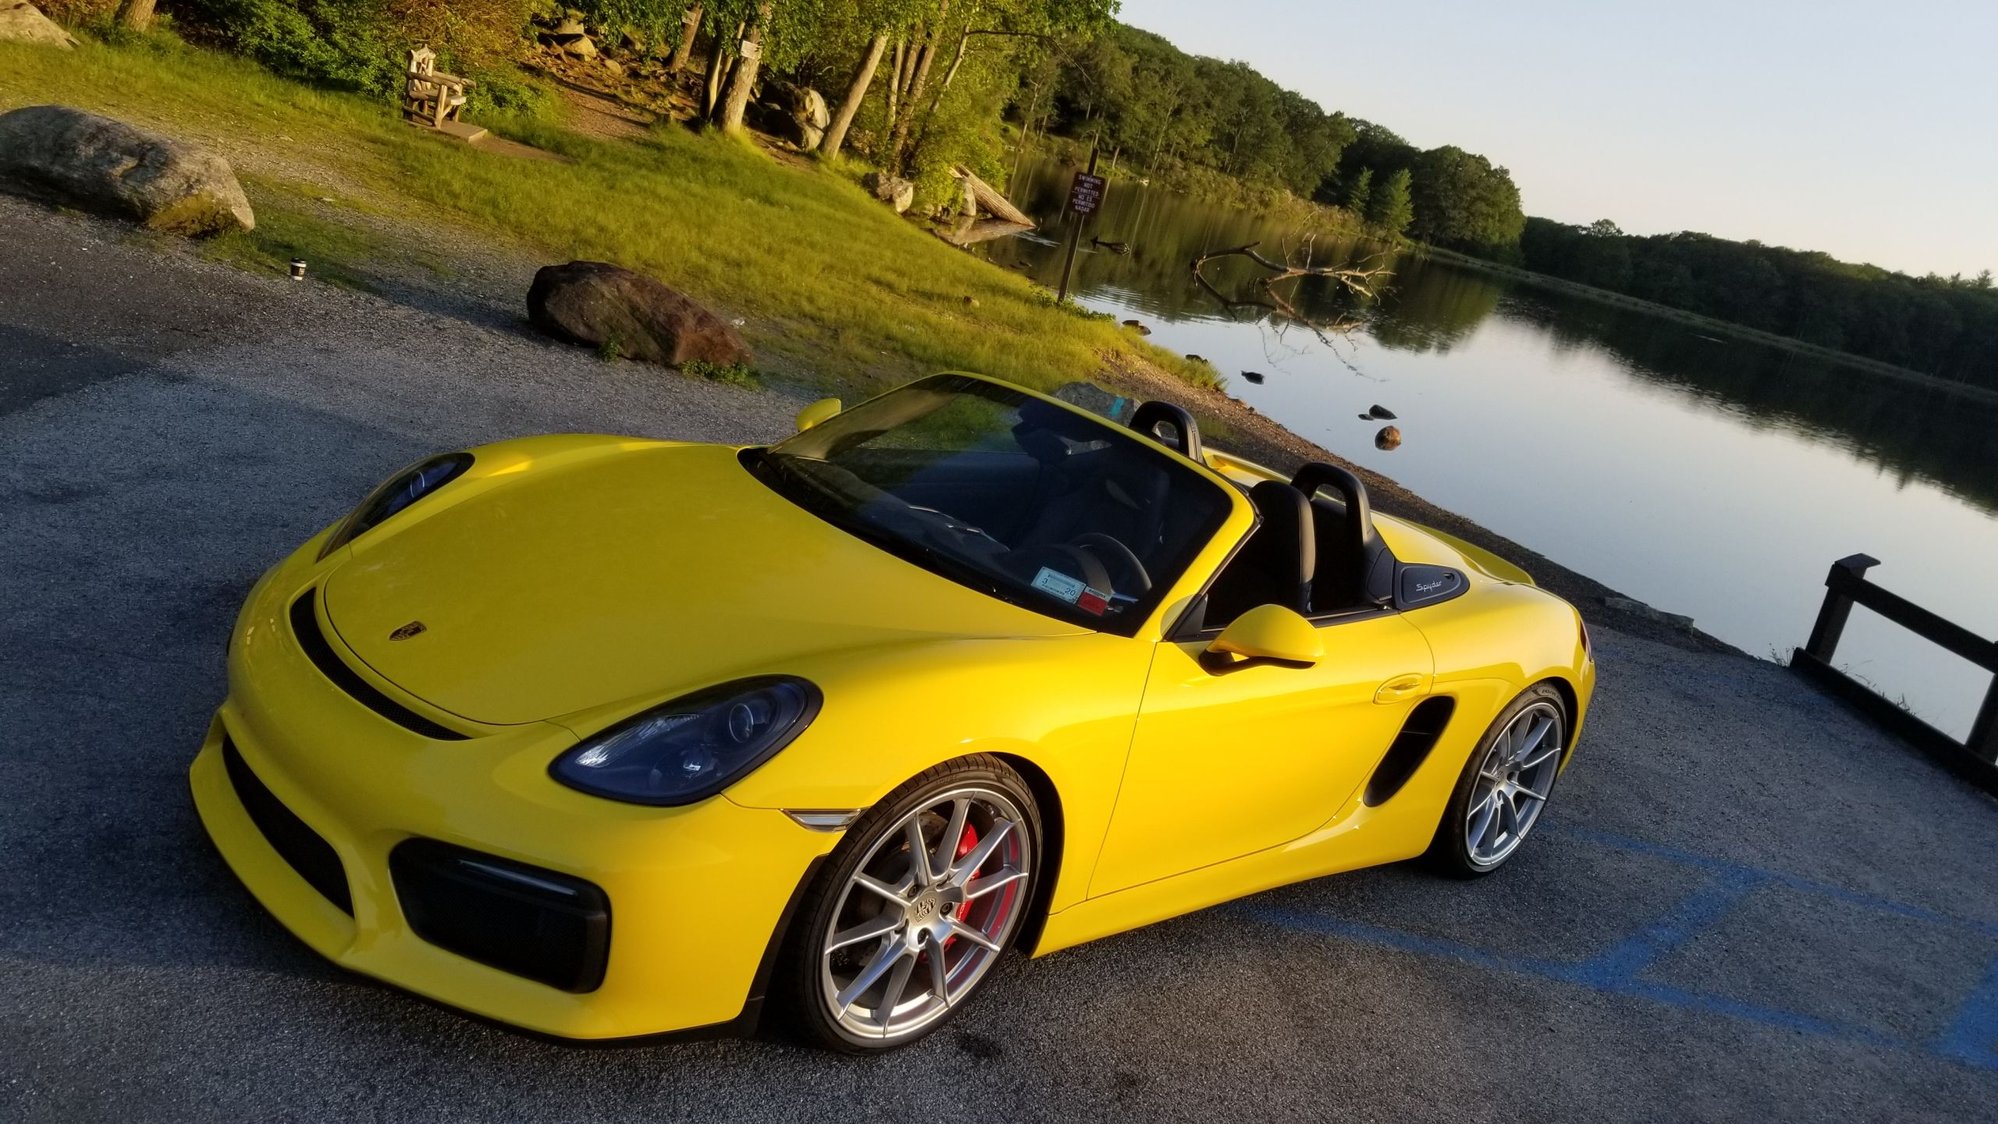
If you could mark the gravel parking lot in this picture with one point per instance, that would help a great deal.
(1743, 904)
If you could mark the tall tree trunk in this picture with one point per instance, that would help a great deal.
(894, 97)
(136, 14)
(936, 99)
(914, 98)
(746, 69)
(718, 57)
(689, 27)
(855, 94)
(957, 60)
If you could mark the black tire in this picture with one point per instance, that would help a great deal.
(928, 920)
(1451, 852)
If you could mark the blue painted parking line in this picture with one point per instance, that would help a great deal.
(1620, 970)
(1973, 1036)
(1821, 889)
(1706, 905)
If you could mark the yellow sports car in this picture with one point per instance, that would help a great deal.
(606, 737)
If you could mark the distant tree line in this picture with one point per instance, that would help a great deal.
(1944, 326)
(1164, 111)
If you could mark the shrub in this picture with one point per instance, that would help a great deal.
(363, 44)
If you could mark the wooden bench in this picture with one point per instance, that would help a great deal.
(430, 96)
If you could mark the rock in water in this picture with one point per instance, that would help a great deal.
(22, 22)
(892, 190)
(1389, 438)
(599, 305)
(103, 165)
(1253, 376)
(1379, 412)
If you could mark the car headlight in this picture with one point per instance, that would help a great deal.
(694, 747)
(395, 494)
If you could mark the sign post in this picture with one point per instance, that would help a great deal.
(1084, 196)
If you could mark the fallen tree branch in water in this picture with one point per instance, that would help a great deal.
(1361, 280)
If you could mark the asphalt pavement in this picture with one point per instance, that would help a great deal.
(1743, 903)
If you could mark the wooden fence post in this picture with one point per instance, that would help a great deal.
(1983, 739)
(1837, 608)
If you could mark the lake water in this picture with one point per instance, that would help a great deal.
(1712, 477)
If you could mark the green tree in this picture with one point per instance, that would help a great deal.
(1358, 193)
(1392, 208)
(1461, 200)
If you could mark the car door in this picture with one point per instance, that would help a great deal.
(1227, 760)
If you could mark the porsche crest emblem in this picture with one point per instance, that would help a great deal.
(406, 631)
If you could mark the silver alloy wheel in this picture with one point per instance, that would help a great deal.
(1512, 785)
(925, 916)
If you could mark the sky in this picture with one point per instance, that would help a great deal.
(1867, 130)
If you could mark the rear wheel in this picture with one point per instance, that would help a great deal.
(1504, 786)
(915, 907)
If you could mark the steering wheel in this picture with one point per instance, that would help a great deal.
(1141, 581)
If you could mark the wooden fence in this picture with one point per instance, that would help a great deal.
(1975, 759)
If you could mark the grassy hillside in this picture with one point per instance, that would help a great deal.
(835, 288)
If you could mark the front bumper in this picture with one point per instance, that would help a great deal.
(696, 894)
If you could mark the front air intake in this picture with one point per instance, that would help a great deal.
(295, 842)
(541, 924)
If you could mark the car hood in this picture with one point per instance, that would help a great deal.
(642, 570)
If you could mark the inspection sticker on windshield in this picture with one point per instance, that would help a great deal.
(1054, 583)
(1076, 592)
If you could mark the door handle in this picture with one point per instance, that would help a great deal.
(1399, 688)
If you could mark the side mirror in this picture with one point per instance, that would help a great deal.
(1270, 632)
(817, 412)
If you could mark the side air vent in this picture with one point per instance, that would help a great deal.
(1411, 747)
(305, 626)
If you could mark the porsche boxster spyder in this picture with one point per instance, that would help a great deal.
(607, 737)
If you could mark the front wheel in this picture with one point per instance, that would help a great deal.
(1504, 787)
(915, 906)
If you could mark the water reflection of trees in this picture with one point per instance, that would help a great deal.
(1432, 306)
(1912, 430)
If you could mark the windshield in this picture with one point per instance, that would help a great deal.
(1009, 494)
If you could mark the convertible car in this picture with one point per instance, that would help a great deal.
(605, 737)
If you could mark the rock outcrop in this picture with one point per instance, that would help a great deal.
(892, 190)
(606, 306)
(78, 158)
(22, 22)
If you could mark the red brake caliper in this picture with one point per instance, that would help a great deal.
(964, 847)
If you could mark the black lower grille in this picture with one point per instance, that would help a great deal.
(305, 626)
(297, 844)
(540, 924)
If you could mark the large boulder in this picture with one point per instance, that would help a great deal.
(809, 118)
(100, 164)
(22, 22)
(605, 306)
(892, 190)
(794, 113)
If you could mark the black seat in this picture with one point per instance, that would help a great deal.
(1274, 567)
(1354, 567)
